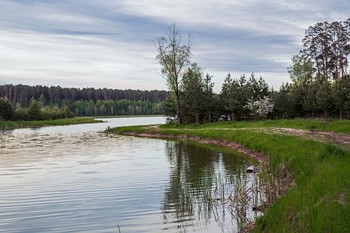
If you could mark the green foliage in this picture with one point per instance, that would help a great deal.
(301, 70)
(54, 112)
(193, 94)
(170, 109)
(56, 95)
(210, 101)
(197, 99)
(319, 82)
(174, 57)
(34, 112)
(319, 74)
(312, 96)
(327, 48)
(6, 110)
(341, 95)
(114, 108)
(237, 93)
(66, 112)
(20, 113)
(69, 109)
(284, 103)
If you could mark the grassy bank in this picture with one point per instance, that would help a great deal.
(338, 126)
(320, 201)
(34, 124)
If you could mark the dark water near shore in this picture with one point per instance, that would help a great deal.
(78, 179)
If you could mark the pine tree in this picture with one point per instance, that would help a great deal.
(6, 110)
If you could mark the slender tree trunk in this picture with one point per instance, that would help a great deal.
(325, 114)
(197, 118)
(178, 108)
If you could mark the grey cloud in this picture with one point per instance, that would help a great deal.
(110, 42)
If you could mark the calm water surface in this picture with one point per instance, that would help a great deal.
(78, 179)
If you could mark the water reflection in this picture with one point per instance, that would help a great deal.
(76, 179)
(199, 177)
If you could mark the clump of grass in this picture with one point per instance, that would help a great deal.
(251, 194)
(332, 151)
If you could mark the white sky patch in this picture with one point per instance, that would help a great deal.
(255, 15)
(47, 60)
(67, 19)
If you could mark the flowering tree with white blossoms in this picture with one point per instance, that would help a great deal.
(260, 108)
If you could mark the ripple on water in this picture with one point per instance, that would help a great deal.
(93, 182)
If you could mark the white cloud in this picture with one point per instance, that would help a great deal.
(259, 16)
(109, 42)
(49, 59)
(64, 18)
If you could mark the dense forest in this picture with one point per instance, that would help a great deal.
(57, 95)
(319, 87)
(57, 102)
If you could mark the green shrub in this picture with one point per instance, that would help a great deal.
(33, 111)
(6, 110)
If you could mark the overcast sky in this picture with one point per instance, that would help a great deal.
(109, 43)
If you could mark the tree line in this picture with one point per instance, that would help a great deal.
(33, 112)
(56, 95)
(23, 102)
(319, 86)
(116, 107)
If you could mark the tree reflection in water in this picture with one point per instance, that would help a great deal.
(201, 180)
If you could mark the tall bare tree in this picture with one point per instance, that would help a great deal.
(174, 57)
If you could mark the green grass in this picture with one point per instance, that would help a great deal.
(339, 126)
(320, 201)
(4, 125)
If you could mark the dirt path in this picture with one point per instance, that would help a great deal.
(342, 140)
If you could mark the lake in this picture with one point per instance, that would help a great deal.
(78, 179)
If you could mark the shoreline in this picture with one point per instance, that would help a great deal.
(311, 165)
(251, 154)
(258, 156)
(11, 125)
